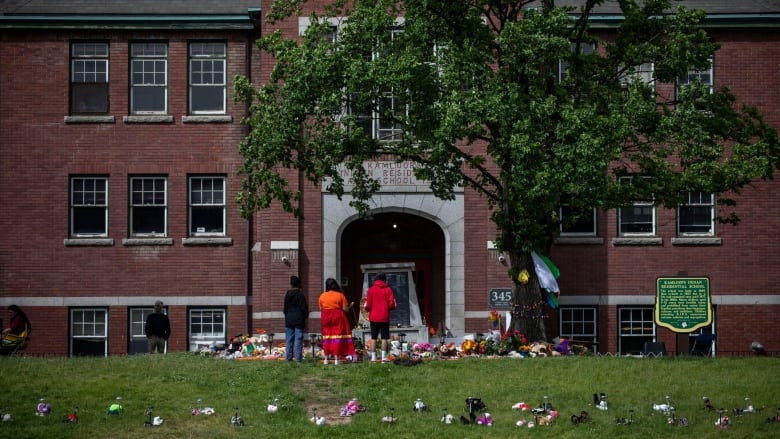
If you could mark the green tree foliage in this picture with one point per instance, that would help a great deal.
(526, 103)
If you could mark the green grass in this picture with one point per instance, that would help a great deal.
(173, 383)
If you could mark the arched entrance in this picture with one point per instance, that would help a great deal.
(397, 237)
(419, 208)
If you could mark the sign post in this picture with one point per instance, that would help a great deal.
(683, 304)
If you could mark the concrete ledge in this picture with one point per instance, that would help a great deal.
(89, 119)
(89, 242)
(129, 242)
(205, 240)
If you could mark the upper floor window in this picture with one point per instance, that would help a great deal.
(642, 73)
(564, 64)
(695, 84)
(380, 119)
(207, 206)
(148, 78)
(208, 64)
(148, 206)
(575, 221)
(696, 215)
(88, 206)
(637, 219)
(89, 78)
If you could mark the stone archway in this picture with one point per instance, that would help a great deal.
(446, 215)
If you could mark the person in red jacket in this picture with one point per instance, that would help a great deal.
(380, 300)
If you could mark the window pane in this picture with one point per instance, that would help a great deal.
(89, 78)
(207, 77)
(89, 98)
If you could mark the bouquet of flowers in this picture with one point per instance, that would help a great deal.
(495, 319)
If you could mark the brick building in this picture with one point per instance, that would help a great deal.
(118, 164)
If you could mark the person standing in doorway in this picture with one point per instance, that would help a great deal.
(158, 329)
(296, 311)
(336, 331)
(380, 300)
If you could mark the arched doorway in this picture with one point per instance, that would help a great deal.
(395, 237)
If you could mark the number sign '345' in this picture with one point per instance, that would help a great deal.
(500, 298)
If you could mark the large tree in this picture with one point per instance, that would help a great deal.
(526, 103)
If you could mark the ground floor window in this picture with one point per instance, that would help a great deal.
(89, 332)
(207, 326)
(578, 324)
(137, 320)
(637, 327)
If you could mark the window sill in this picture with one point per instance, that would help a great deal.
(207, 240)
(700, 240)
(207, 119)
(131, 242)
(149, 118)
(89, 242)
(579, 240)
(89, 119)
(637, 240)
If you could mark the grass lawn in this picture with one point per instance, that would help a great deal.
(172, 384)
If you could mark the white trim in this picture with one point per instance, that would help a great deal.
(284, 245)
(206, 300)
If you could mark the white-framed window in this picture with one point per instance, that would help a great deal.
(148, 78)
(208, 77)
(703, 78)
(563, 65)
(380, 119)
(639, 218)
(578, 323)
(89, 78)
(577, 222)
(89, 331)
(637, 327)
(696, 216)
(89, 206)
(207, 326)
(148, 206)
(696, 83)
(207, 210)
(642, 73)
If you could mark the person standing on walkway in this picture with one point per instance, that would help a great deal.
(158, 329)
(380, 300)
(336, 331)
(296, 311)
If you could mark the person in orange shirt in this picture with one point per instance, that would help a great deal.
(336, 331)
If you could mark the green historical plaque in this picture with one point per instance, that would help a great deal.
(682, 304)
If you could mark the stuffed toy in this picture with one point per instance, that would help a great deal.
(539, 349)
(446, 418)
(561, 346)
(664, 408)
(707, 403)
(7, 417)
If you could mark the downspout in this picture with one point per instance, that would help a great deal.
(254, 16)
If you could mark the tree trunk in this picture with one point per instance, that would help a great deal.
(529, 306)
